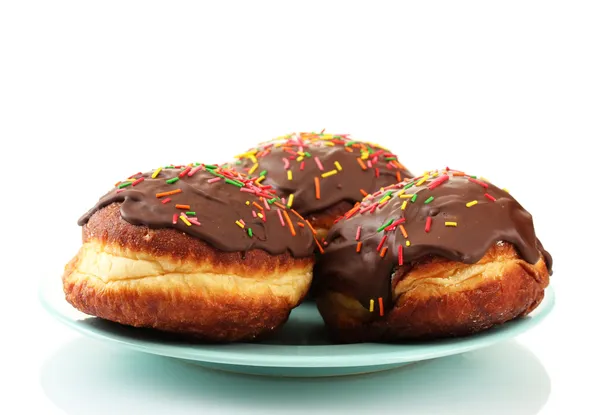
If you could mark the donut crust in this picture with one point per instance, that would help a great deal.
(439, 298)
(166, 280)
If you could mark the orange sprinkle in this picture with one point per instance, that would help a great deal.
(317, 188)
(186, 207)
(403, 230)
(398, 177)
(358, 246)
(381, 306)
(289, 222)
(300, 224)
(311, 228)
(348, 149)
(172, 192)
(321, 250)
(258, 206)
(365, 194)
(457, 173)
(362, 164)
(279, 205)
(383, 251)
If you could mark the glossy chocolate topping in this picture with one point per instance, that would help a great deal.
(219, 206)
(320, 170)
(443, 213)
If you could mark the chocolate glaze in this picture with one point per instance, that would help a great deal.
(381, 168)
(366, 275)
(218, 206)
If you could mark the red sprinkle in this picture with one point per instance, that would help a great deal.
(184, 172)
(141, 179)
(381, 243)
(479, 182)
(428, 224)
(489, 196)
(438, 181)
(376, 171)
(165, 201)
(400, 255)
(175, 216)
(381, 306)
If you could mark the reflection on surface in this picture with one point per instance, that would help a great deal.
(86, 377)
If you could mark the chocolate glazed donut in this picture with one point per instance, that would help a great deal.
(322, 175)
(445, 254)
(195, 250)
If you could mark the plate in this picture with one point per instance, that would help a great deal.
(300, 349)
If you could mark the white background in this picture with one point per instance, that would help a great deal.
(93, 91)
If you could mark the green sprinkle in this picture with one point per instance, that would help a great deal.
(271, 201)
(250, 232)
(349, 143)
(390, 158)
(385, 225)
(190, 213)
(408, 186)
(237, 163)
(173, 180)
(307, 154)
(215, 173)
(210, 166)
(122, 185)
(234, 182)
(473, 177)
(386, 194)
(412, 199)
(263, 173)
(429, 200)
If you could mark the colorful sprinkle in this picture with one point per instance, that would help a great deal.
(182, 207)
(156, 172)
(329, 173)
(429, 200)
(381, 306)
(173, 180)
(471, 203)
(452, 224)
(428, 224)
(172, 192)
(489, 196)
(337, 165)
(185, 220)
(385, 225)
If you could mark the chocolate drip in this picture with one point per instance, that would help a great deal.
(218, 205)
(400, 215)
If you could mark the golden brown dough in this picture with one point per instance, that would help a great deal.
(443, 298)
(143, 277)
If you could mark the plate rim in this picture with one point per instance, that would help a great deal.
(234, 354)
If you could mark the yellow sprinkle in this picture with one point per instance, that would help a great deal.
(156, 172)
(329, 173)
(260, 179)
(406, 196)
(506, 190)
(253, 169)
(371, 305)
(364, 155)
(260, 215)
(401, 192)
(451, 224)
(253, 158)
(385, 199)
(484, 179)
(290, 200)
(289, 175)
(338, 165)
(329, 144)
(240, 224)
(300, 158)
(184, 219)
(301, 153)
(247, 203)
(404, 204)
(420, 182)
(407, 243)
(472, 203)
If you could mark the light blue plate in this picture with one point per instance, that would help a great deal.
(300, 349)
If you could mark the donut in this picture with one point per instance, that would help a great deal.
(322, 175)
(196, 250)
(445, 254)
